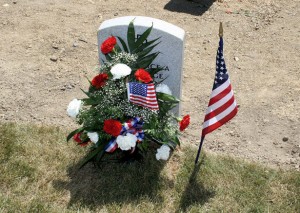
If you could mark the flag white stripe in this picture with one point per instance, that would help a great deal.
(145, 102)
(220, 102)
(220, 116)
(220, 88)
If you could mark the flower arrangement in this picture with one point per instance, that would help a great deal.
(126, 111)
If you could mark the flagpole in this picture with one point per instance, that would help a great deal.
(202, 137)
(199, 150)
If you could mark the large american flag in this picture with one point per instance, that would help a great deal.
(142, 94)
(222, 106)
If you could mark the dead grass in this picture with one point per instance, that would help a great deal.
(39, 174)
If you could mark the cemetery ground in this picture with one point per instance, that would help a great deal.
(49, 47)
(39, 173)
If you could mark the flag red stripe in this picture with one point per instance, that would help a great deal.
(220, 95)
(137, 99)
(114, 148)
(144, 104)
(219, 123)
(220, 88)
(153, 98)
(219, 110)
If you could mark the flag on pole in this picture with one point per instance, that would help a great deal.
(222, 106)
(142, 94)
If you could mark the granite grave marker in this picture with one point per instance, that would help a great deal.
(171, 46)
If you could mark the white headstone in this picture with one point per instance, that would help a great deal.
(171, 46)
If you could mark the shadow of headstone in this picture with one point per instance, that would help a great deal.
(94, 187)
(195, 192)
(193, 7)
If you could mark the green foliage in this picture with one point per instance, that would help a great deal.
(110, 101)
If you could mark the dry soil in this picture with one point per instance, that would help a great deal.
(48, 47)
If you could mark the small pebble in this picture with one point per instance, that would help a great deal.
(5, 5)
(236, 58)
(75, 45)
(53, 58)
(285, 139)
(54, 46)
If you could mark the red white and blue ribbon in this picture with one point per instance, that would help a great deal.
(132, 126)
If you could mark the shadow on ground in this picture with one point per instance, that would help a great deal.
(193, 7)
(123, 183)
(118, 183)
(195, 193)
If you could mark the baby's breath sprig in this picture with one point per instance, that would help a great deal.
(121, 57)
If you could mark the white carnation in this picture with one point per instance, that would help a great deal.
(73, 108)
(120, 70)
(126, 142)
(93, 136)
(163, 88)
(163, 152)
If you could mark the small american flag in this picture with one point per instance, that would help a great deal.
(142, 94)
(222, 106)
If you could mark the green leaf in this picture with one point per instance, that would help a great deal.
(146, 51)
(166, 97)
(144, 146)
(145, 45)
(146, 61)
(99, 156)
(158, 82)
(108, 57)
(99, 150)
(125, 48)
(176, 140)
(88, 94)
(74, 133)
(173, 105)
(89, 101)
(117, 48)
(155, 70)
(90, 156)
(143, 37)
(174, 143)
(131, 36)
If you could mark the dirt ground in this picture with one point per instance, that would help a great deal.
(48, 47)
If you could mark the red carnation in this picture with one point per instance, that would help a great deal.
(112, 127)
(77, 138)
(108, 45)
(184, 123)
(143, 76)
(99, 80)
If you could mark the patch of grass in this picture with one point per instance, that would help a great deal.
(39, 174)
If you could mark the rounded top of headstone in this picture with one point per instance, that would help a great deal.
(146, 22)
